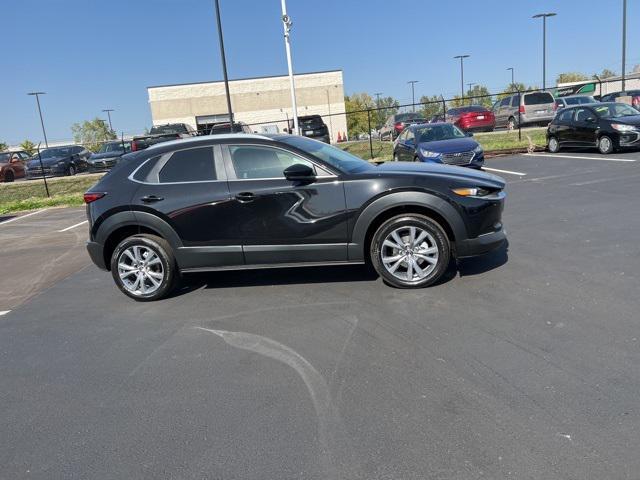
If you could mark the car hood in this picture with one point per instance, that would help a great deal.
(460, 173)
(47, 162)
(98, 156)
(455, 145)
(634, 120)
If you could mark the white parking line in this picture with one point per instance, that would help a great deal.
(4, 312)
(72, 226)
(504, 171)
(607, 159)
(23, 216)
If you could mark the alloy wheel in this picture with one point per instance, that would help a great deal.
(605, 145)
(409, 253)
(140, 270)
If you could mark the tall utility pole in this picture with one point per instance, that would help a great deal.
(224, 65)
(377, 94)
(37, 95)
(544, 17)
(462, 57)
(513, 81)
(624, 41)
(109, 110)
(413, 93)
(471, 85)
(287, 24)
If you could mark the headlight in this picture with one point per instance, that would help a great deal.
(621, 127)
(478, 149)
(61, 163)
(429, 153)
(471, 192)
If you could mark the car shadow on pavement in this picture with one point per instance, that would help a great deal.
(330, 274)
(4, 218)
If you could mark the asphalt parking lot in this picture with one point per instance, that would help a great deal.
(521, 364)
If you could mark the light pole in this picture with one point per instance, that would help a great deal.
(544, 17)
(224, 65)
(37, 94)
(513, 82)
(109, 110)
(413, 93)
(624, 40)
(462, 57)
(286, 24)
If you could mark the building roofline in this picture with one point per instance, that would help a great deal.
(240, 79)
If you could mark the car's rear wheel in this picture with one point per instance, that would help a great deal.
(144, 267)
(554, 145)
(395, 157)
(605, 145)
(410, 251)
(8, 176)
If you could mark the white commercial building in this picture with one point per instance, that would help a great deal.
(264, 103)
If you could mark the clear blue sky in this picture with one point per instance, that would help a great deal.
(89, 54)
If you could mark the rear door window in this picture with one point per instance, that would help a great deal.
(192, 165)
(538, 98)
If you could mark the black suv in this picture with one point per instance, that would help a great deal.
(312, 126)
(59, 161)
(250, 201)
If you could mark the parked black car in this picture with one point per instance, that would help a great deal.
(59, 161)
(606, 126)
(225, 127)
(162, 133)
(108, 155)
(613, 97)
(249, 201)
(312, 126)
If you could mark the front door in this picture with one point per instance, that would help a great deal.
(188, 189)
(586, 126)
(282, 221)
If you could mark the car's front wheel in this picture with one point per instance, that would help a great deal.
(410, 251)
(605, 145)
(144, 267)
(72, 171)
(554, 145)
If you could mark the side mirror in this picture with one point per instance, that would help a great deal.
(299, 173)
(469, 134)
(590, 120)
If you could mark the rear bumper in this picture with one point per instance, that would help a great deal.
(96, 252)
(480, 245)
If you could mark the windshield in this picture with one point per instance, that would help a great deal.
(616, 110)
(438, 132)
(56, 152)
(177, 128)
(343, 161)
(114, 147)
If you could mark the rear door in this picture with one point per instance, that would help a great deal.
(282, 221)
(502, 112)
(187, 188)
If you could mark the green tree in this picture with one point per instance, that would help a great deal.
(91, 133)
(569, 77)
(28, 146)
(606, 73)
(387, 106)
(357, 122)
(431, 106)
(3, 146)
(515, 87)
(482, 92)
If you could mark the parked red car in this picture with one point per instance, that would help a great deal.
(12, 165)
(472, 118)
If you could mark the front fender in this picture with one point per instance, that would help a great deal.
(402, 199)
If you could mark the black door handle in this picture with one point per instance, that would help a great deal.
(151, 199)
(245, 197)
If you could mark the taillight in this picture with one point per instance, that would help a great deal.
(521, 109)
(90, 197)
(635, 101)
(398, 126)
(555, 106)
(134, 146)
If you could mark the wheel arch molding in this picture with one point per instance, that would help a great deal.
(411, 202)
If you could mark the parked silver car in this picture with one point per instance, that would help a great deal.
(534, 108)
(563, 102)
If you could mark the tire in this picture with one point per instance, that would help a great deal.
(395, 157)
(605, 145)
(72, 171)
(553, 145)
(512, 124)
(8, 176)
(146, 282)
(391, 263)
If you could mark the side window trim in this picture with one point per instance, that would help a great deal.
(231, 173)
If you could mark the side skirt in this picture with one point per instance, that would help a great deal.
(270, 265)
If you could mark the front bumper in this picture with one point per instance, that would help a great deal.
(481, 245)
(96, 252)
